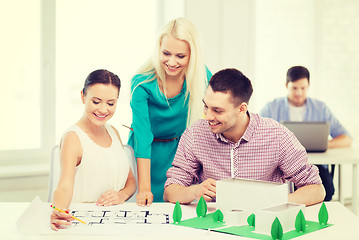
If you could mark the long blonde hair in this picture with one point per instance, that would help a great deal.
(195, 75)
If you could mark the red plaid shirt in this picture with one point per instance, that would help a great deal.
(267, 151)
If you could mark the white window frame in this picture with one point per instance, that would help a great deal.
(47, 98)
(47, 23)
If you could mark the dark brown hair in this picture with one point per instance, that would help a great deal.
(297, 72)
(233, 81)
(101, 76)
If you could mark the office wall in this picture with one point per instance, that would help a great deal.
(337, 51)
(226, 29)
(263, 38)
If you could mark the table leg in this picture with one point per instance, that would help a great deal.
(340, 183)
(355, 189)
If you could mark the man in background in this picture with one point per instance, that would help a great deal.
(297, 106)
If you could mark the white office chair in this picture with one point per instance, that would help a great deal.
(54, 174)
(131, 158)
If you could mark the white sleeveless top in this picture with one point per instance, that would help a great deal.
(101, 169)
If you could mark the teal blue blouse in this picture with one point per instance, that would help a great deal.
(155, 117)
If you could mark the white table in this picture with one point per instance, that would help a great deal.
(345, 225)
(340, 156)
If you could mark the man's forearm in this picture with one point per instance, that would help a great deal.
(176, 192)
(308, 195)
(340, 141)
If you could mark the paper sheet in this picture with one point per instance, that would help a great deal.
(36, 220)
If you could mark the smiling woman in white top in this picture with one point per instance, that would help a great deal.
(94, 166)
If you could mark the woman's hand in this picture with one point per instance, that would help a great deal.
(59, 219)
(144, 198)
(111, 197)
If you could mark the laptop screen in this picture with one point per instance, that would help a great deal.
(312, 135)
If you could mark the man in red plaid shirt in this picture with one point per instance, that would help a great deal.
(231, 142)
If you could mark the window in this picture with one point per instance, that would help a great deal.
(115, 35)
(20, 68)
(27, 68)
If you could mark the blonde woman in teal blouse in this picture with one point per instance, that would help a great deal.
(167, 96)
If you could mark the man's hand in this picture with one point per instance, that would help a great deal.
(207, 189)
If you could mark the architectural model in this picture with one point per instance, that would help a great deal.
(239, 198)
(254, 209)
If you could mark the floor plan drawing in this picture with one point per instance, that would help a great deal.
(119, 217)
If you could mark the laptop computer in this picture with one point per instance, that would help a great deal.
(312, 135)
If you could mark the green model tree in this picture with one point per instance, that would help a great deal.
(323, 214)
(201, 208)
(251, 220)
(300, 222)
(218, 216)
(177, 213)
(277, 230)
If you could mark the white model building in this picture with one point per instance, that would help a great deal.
(286, 213)
(238, 198)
